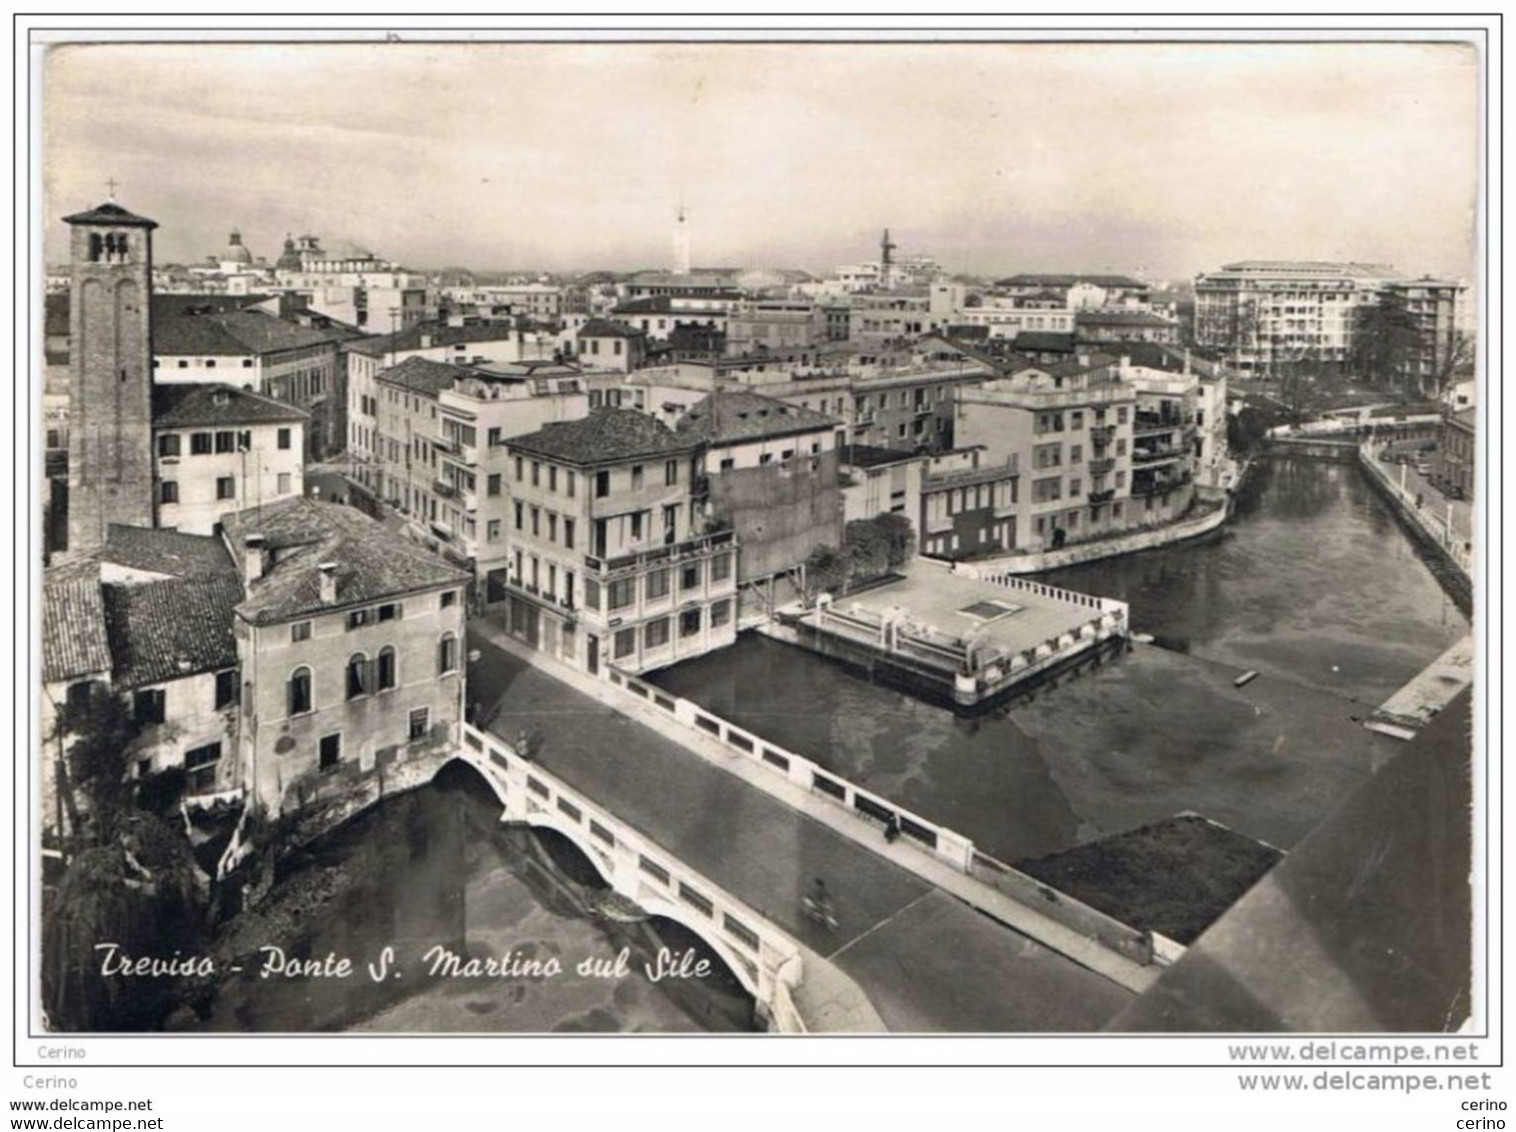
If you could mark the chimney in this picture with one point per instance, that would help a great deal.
(252, 559)
(328, 583)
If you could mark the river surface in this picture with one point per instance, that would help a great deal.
(1312, 584)
(434, 868)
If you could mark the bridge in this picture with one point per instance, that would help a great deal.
(696, 821)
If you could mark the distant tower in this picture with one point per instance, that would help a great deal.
(110, 460)
(681, 243)
(886, 258)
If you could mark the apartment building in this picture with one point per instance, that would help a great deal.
(611, 560)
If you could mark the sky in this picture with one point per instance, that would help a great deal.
(1166, 159)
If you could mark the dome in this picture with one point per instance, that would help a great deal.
(236, 251)
(289, 259)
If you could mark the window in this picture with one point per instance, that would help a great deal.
(671, 472)
(625, 643)
(226, 687)
(197, 757)
(300, 631)
(357, 619)
(168, 492)
(447, 654)
(518, 469)
(591, 594)
(536, 473)
(1121, 447)
(728, 464)
(420, 721)
(357, 676)
(721, 613)
(226, 442)
(636, 477)
(200, 444)
(283, 483)
(148, 705)
(449, 599)
(568, 533)
(656, 634)
(690, 577)
(1076, 453)
(384, 669)
(1074, 488)
(331, 751)
(520, 512)
(492, 531)
(657, 584)
(1121, 415)
(284, 438)
(226, 487)
(636, 525)
(621, 593)
(300, 691)
(493, 484)
(1047, 489)
(168, 444)
(552, 526)
(602, 484)
(721, 567)
(689, 622)
(552, 477)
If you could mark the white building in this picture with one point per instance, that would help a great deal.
(217, 449)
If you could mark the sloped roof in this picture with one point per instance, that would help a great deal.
(110, 213)
(437, 333)
(74, 643)
(1044, 279)
(1120, 318)
(162, 631)
(165, 552)
(653, 304)
(422, 375)
(301, 534)
(605, 436)
(605, 328)
(723, 417)
(210, 403)
(244, 332)
(1045, 340)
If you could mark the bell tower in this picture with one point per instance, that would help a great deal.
(110, 460)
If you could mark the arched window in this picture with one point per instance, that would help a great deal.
(386, 668)
(447, 654)
(300, 691)
(357, 676)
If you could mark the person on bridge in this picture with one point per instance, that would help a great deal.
(818, 904)
(892, 828)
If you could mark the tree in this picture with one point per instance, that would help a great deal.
(825, 571)
(1386, 343)
(866, 549)
(900, 537)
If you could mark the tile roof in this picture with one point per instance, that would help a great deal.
(1045, 340)
(605, 328)
(110, 213)
(300, 534)
(245, 332)
(605, 436)
(210, 403)
(1119, 318)
(436, 333)
(422, 375)
(162, 631)
(74, 643)
(723, 417)
(653, 304)
(165, 552)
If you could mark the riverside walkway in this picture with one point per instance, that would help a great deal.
(925, 959)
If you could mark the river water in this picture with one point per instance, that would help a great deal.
(434, 868)
(1312, 584)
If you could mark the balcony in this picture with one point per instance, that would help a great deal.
(1100, 435)
(1162, 422)
(1155, 455)
(699, 547)
(1159, 484)
(444, 489)
(1103, 496)
(1102, 465)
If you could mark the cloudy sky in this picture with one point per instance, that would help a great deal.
(993, 158)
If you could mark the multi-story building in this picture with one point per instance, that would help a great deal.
(768, 471)
(1010, 317)
(429, 443)
(968, 504)
(603, 344)
(1113, 324)
(659, 316)
(774, 324)
(1264, 313)
(1078, 291)
(879, 480)
(349, 644)
(217, 448)
(1431, 308)
(354, 287)
(1454, 465)
(610, 561)
(296, 364)
(1069, 428)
